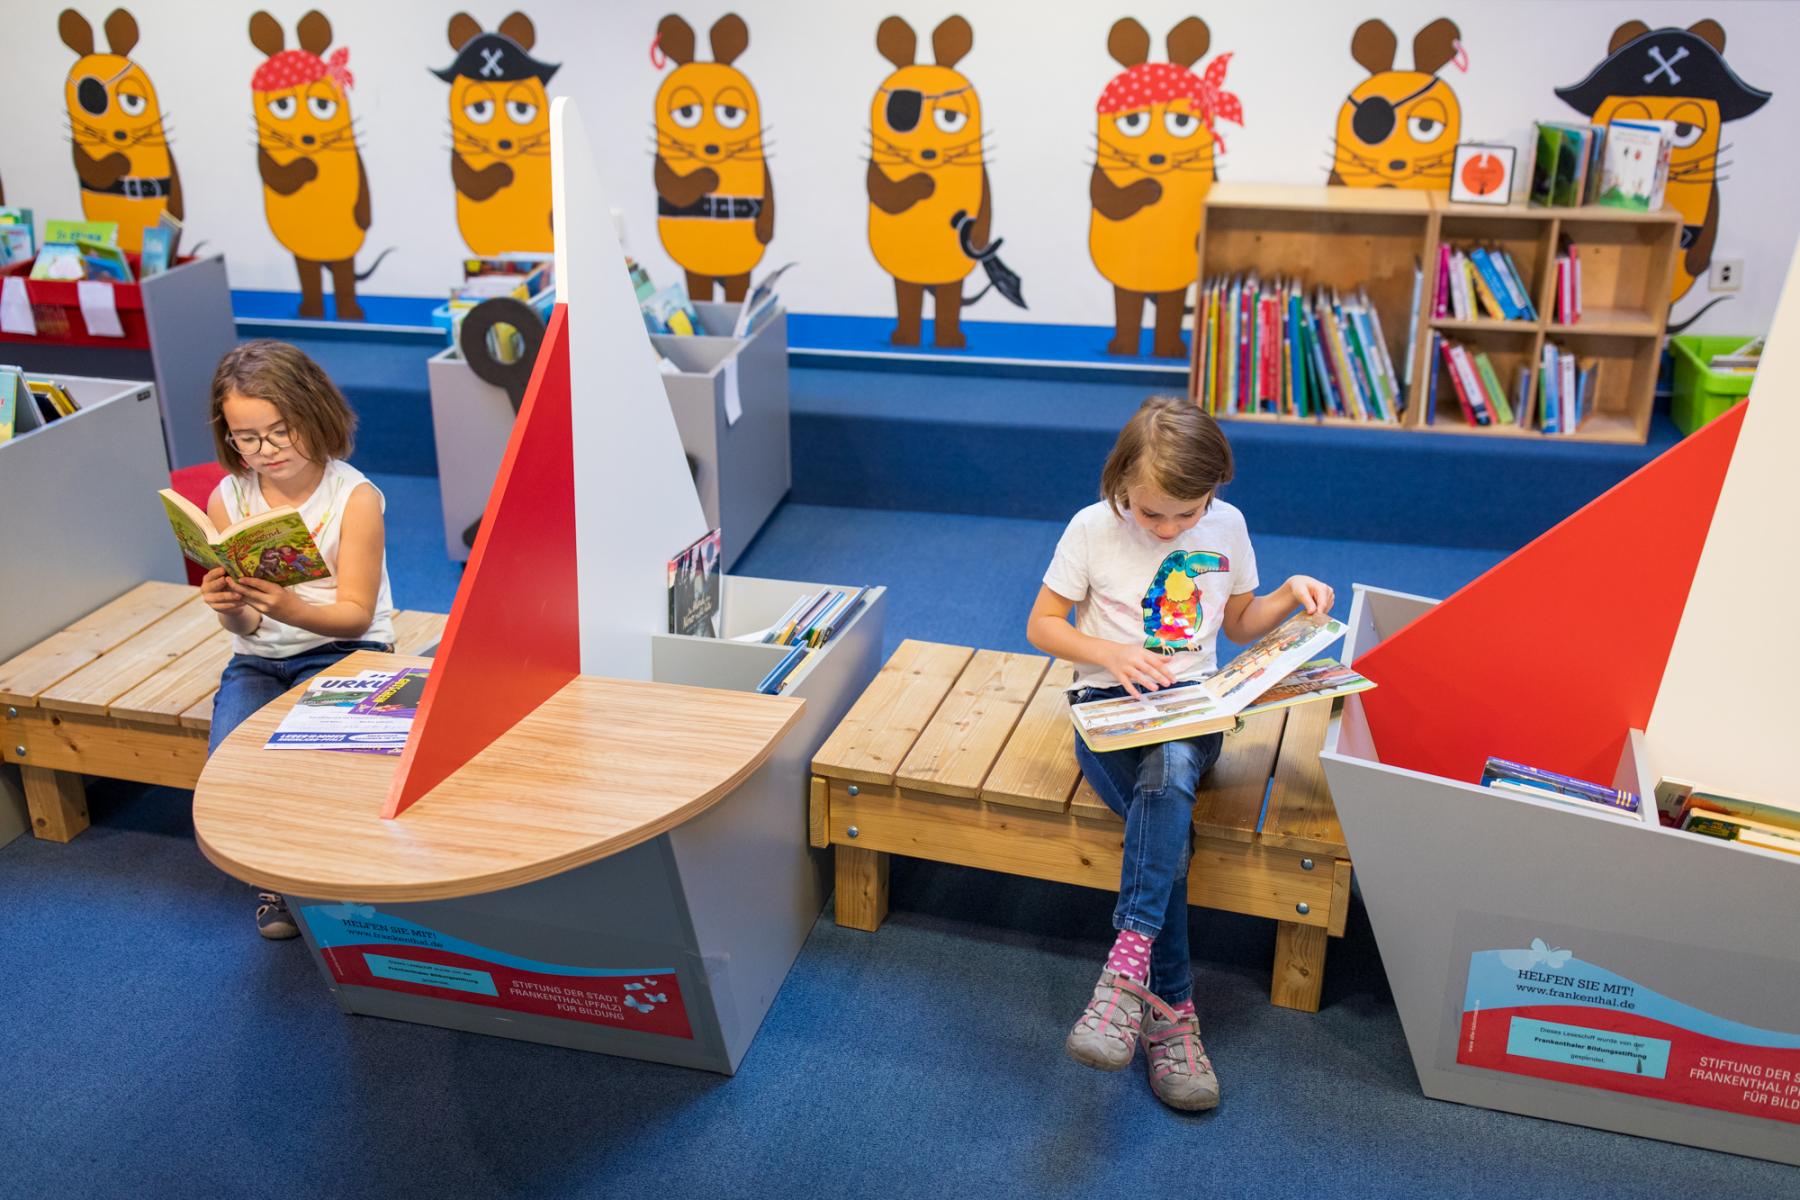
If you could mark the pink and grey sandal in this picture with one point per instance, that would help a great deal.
(1106, 1035)
(1181, 1074)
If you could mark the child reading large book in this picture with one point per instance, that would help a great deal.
(283, 430)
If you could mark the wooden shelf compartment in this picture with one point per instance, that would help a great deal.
(1528, 240)
(1626, 371)
(1510, 350)
(1626, 270)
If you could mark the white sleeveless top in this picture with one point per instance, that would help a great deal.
(323, 512)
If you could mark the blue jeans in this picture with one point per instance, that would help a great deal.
(1152, 788)
(251, 681)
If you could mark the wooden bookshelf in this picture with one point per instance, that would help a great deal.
(1350, 238)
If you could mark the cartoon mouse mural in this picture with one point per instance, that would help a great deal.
(500, 136)
(715, 200)
(1153, 166)
(315, 191)
(1399, 129)
(117, 130)
(930, 209)
(1677, 75)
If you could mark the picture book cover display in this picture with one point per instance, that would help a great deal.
(1216, 703)
(694, 578)
(276, 545)
(325, 718)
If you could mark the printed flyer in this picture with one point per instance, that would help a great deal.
(369, 948)
(1545, 1013)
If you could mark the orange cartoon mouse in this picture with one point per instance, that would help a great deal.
(500, 132)
(715, 200)
(929, 202)
(1677, 75)
(1153, 167)
(315, 191)
(1399, 129)
(117, 130)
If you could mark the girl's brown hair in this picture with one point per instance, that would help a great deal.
(316, 414)
(1173, 446)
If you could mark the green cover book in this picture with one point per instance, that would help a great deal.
(1571, 165)
(275, 545)
(1543, 167)
(71, 232)
(1490, 383)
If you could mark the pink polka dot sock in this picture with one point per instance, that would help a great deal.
(1130, 955)
(1184, 1008)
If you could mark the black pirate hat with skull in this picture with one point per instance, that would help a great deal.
(496, 58)
(1668, 62)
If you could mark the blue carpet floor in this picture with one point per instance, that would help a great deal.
(156, 1047)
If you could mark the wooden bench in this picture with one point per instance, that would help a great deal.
(967, 756)
(126, 693)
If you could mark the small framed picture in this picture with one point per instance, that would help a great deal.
(1483, 173)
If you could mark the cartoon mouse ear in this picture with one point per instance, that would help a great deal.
(1128, 43)
(1630, 31)
(729, 37)
(463, 28)
(519, 28)
(1373, 45)
(1188, 41)
(1435, 45)
(76, 33)
(897, 42)
(121, 32)
(951, 40)
(265, 34)
(314, 32)
(676, 38)
(1710, 32)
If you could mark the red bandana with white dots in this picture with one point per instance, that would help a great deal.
(291, 68)
(1159, 83)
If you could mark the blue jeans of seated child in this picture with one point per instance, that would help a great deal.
(1152, 788)
(251, 681)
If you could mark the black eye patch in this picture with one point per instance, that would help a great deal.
(92, 95)
(903, 109)
(1373, 121)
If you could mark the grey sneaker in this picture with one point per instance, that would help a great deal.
(1106, 1035)
(1181, 1074)
(273, 920)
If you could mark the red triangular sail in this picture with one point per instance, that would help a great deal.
(1552, 655)
(514, 635)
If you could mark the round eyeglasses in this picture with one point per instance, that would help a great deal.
(250, 443)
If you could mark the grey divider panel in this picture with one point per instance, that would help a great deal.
(1448, 868)
(471, 421)
(83, 524)
(754, 886)
(742, 470)
(624, 912)
(187, 311)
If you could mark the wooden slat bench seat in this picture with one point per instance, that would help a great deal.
(968, 757)
(126, 693)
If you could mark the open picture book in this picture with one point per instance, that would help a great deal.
(1279, 670)
(275, 545)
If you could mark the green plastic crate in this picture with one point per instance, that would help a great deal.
(1701, 393)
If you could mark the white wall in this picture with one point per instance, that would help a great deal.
(815, 66)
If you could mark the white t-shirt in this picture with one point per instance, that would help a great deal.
(323, 512)
(1130, 586)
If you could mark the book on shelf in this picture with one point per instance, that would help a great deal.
(670, 311)
(12, 383)
(1569, 163)
(69, 232)
(1504, 775)
(1634, 168)
(1271, 347)
(1565, 389)
(1215, 703)
(32, 402)
(694, 582)
(275, 546)
(1693, 808)
(18, 237)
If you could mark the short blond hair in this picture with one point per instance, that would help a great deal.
(1170, 444)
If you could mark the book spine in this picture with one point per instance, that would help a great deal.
(1547, 388)
(1412, 323)
(1575, 278)
(1471, 382)
(1496, 394)
(1441, 305)
(1431, 380)
(1489, 273)
(1396, 386)
(1456, 382)
(771, 683)
(1510, 284)
(1565, 386)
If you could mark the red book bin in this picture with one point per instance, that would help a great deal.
(56, 307)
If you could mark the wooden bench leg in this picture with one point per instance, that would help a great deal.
(862, 888)
(1299, 966)
(57, 801)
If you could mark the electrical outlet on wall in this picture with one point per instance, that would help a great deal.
(1727, 275)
